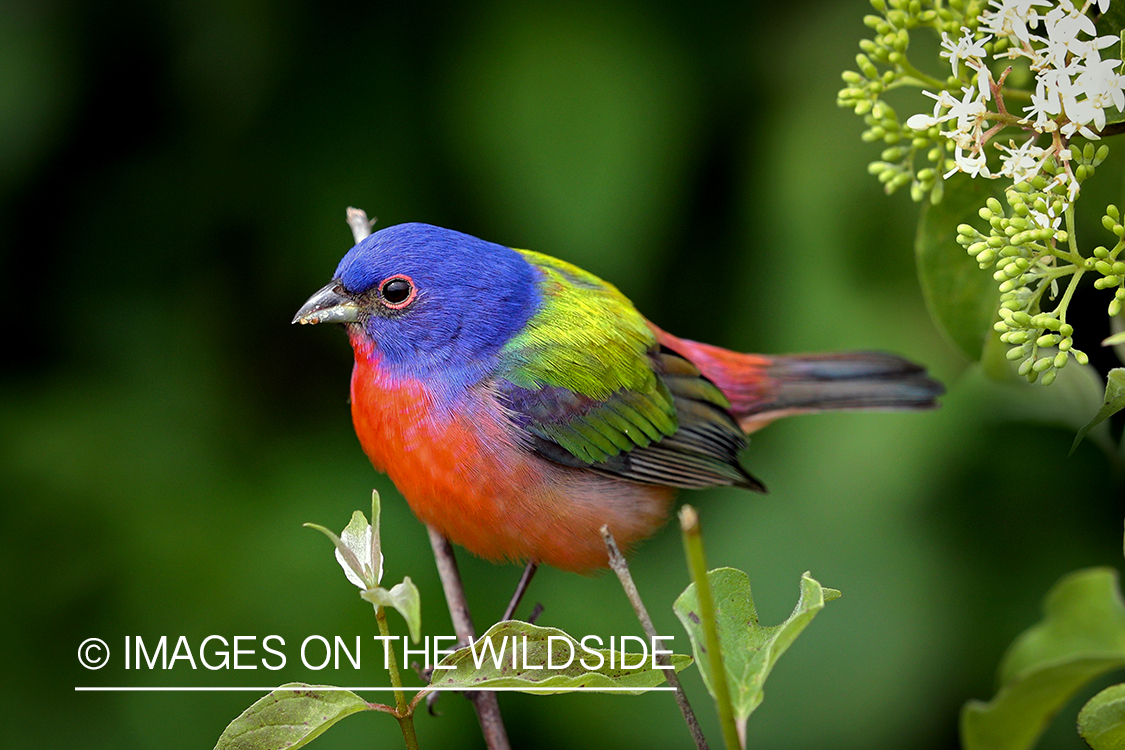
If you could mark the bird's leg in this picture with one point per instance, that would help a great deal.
(521, 589)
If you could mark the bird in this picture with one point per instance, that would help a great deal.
(520, 403)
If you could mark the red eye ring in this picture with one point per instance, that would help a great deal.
(398, 291)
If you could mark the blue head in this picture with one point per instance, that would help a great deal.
(430, 299)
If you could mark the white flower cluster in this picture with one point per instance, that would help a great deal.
(1073, 87)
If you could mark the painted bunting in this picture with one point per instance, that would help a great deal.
(519, 403)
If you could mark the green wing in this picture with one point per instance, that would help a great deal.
(590, 387)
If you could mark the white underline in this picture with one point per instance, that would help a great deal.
(416, 688)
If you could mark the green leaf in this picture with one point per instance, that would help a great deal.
(1114, 402)
(539, 660)
(358, 549)
(403, 597)
(750, 650)
(1081, 636)
(1101, 722)
(289, 717)
(962, 299)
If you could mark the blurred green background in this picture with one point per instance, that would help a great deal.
(173, 178)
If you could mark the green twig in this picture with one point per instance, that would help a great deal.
(697, 564)
(405, 712)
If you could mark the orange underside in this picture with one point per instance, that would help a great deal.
(460, 467)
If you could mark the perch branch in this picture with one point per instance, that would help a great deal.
(621, 568)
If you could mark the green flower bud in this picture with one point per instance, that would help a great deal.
(1112, 212)
(1021, 318)
(986, 258)
(1046, 320)
(1114, 307)
(1081, 172)
(1118, 268)
(1039, 182)
(1060, 360)
(996, 241)
(1042, 364)
(1101, 252)
(879, 5)
(1120, 294)
(1066, 329)
(1049, 377)
(1102, 153)
(1046, 340)
(1080, 357)
(1015, 353)
(1025, 367)
(1066, 344)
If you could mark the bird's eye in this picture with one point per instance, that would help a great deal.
(397, 291)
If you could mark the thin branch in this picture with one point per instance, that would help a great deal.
(521, 589)
(621, 568)
(484, 702)
(360, 224)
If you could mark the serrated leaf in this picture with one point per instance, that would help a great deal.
(962, 299)
(404, 598)
(514, 654)
(1113, 402)
(1081, 636)
(750, 649)
(1101, 722)
(289, 717)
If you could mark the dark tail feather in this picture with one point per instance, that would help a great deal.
(803, 383)
(762, 389)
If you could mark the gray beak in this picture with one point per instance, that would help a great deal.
(329, 305)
